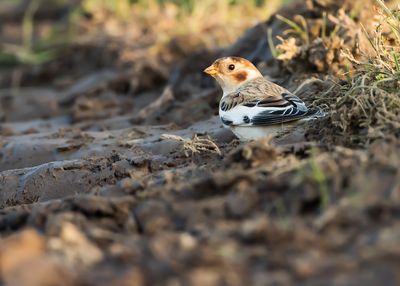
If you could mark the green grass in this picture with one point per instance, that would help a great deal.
(301, 30)
(320, 179)
(31, 50)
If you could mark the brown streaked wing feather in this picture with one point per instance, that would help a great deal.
(260, 92)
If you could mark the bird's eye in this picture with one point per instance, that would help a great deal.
(231, 67)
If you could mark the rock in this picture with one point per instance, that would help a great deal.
(205, 276)
(75, 248)
(20, 248)
(153, 216)
(272, 278)
(255, 230)
(41, 272)
(23, 261)
(241, 202)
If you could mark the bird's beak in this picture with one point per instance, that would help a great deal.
(211, 70)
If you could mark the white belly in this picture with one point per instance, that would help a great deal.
(247, 133)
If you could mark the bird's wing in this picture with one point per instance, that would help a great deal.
(261, 102)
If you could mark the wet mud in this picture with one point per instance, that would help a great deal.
(114, 174)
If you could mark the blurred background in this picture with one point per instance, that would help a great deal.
(36, 31)
(66, 49)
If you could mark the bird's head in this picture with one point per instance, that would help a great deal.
(232, 72)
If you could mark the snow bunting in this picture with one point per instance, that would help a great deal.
(251, 105)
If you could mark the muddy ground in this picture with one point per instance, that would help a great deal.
(94, 190)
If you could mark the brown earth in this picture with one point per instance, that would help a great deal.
(92, 191)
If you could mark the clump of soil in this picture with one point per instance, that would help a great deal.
(119, 172)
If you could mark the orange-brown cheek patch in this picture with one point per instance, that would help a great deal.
(240, 76)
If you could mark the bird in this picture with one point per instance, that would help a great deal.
(252, 106)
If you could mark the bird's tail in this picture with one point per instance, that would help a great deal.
(316, 112)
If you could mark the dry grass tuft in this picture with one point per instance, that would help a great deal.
(315, 44)
(368, 106)
(363, 63)
(195, 145)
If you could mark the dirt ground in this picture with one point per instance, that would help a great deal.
(115, 169)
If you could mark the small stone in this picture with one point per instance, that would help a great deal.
(75, 247)
(20, 248)
(205, 276)
(241, 202)
(153, 216)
